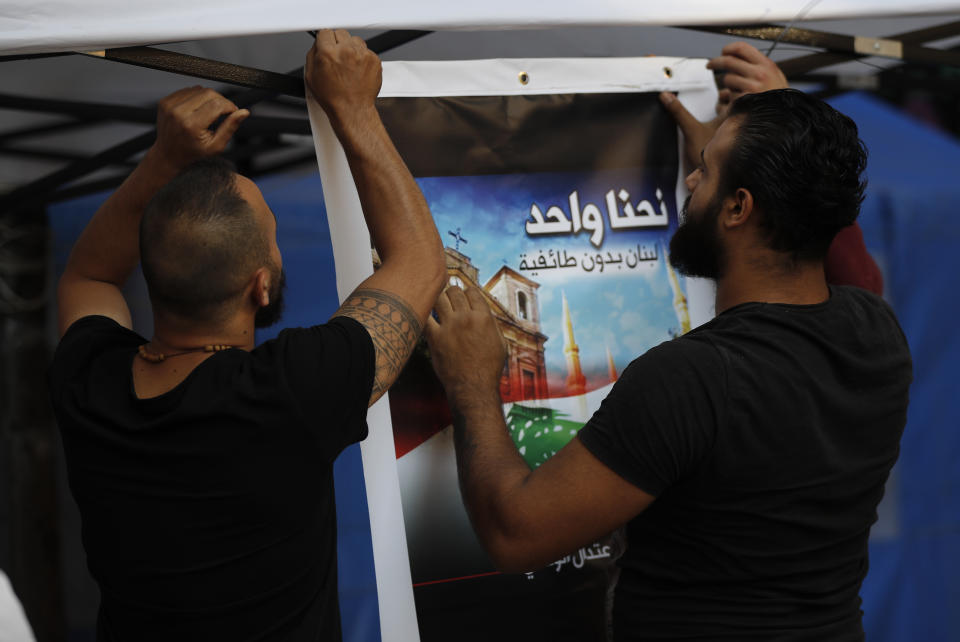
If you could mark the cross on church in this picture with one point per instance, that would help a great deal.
(457, 236)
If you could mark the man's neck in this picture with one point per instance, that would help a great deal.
(171, 334)
(767, 278)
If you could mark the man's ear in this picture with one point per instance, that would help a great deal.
(737, 208)
(260, 287)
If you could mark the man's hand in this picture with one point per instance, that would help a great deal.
(342, 74)
(183, 121)
(747, 71)
(465, 345)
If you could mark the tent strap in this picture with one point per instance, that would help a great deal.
(855, 46)
(215, 70)
(287, 84)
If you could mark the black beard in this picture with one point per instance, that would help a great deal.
(695, 248)
(269, 314)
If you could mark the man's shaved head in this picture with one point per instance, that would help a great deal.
(200, 242)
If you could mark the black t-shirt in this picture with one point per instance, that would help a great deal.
(766, 436)
(208, 511)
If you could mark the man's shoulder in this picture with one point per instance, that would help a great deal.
(858, 298)
(698, 343)
(684, 359)
(96, 324)
(91, 335)
(87, 338)
(339, 329)
(335, 358)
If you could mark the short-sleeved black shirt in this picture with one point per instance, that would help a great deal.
(208, 511)
(766, 436)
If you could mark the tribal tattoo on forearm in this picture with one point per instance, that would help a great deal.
(393, 327)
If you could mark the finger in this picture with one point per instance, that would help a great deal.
(458, 300)
(724, 100)
(178, 96)
(442, 307)
(742, 84)
(342, 35)
(476, 300)
(308, 62)
(193, 100)
(732, 65)
(359, 42)
(209, 111)
(325, 38)
(743, 50)
(688, 124)
(228, 128)
(430, 330)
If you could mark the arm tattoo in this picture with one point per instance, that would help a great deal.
(393, 327)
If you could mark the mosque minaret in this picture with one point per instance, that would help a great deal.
(576, 382)
(611, 366)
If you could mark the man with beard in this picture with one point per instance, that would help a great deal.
(747, 457)
(743, 69)
(202, 465)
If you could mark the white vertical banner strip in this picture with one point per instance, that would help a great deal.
(353, 260)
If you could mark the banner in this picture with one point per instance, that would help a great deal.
(556, 185)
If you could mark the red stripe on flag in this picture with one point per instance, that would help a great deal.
(457, 579)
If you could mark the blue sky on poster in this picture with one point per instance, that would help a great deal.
(626, 308)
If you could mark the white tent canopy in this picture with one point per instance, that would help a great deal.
(38, 26)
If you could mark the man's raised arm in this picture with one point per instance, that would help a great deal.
(524, 519)
(108, 249)
(344, 77)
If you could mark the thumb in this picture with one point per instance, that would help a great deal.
(228, 127)
(687, 123)
(430, 329)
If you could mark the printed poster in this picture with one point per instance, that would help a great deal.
(559, 205)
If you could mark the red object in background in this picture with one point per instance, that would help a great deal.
(849, 263)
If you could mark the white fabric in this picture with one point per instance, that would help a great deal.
(353, 261)
(68, 25)
(13, 622)
(695, 87)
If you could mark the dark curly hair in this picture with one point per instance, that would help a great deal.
(802, 161)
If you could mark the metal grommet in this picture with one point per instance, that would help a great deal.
(524, 77)
(668, 72)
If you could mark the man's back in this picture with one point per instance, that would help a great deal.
(767, 436)
(207, 507)
(208, 511)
